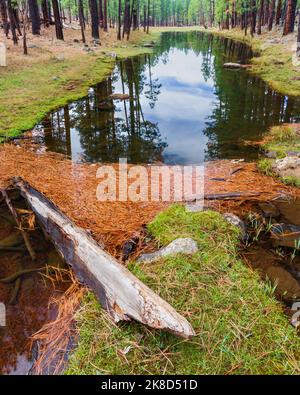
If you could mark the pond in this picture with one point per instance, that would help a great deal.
(184, 107)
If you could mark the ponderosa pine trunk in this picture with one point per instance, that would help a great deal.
(81, 19)
(57, 20)
(12, 22)
(148, 17)
(260, 16)
(34, 13)
(298, 37)
(289, 22)
(4, 18)
(105, 24)
(271, 15)
(94, 19)
(119, 19)
(126, 17)
(278, 12)
(45, 12)
(101, 19)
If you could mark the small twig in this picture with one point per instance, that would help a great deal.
(15, 215)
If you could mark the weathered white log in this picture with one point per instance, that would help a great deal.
(2, 55)
(231, 65)
(123, 295)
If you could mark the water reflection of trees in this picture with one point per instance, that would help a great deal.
(244, 107)
(105, 135)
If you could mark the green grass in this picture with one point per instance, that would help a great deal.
(282, 139)
(29, 93)
(241, 328)
(274, 63)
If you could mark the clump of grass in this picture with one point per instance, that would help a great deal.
(283, 134)
(265, 166)
(240, 327)
(291, 180)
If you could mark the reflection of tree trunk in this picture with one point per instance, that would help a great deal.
(68, 131)
(123, 90)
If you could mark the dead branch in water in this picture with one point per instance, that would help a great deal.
(19, 224)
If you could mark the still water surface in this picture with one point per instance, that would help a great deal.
(184, 107)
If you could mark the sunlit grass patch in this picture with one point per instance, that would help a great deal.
(240, 327)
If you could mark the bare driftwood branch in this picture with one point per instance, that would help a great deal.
(19, 224)
(119, 291)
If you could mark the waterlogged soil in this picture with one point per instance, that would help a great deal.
(26, 302)
(179, 106)
(267, 250)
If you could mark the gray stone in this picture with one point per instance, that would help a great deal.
(179, 246)
(288, 166)
(29, 45)
(236, 221)
(271, 154)
(60, 57)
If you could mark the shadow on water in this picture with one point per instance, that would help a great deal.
(184, 107)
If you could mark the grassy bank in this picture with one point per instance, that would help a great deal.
(30, 91)
(274, 63)
(281, 141)
(240, 327)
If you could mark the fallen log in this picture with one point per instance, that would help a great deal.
(119, 291)
(230, 195)
(231, 65)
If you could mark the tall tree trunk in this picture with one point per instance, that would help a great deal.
(148, 17)
(94, 19)
(81, 19)
(12, 22)
(278, 12)
(290, 17)
(105, 25)
(126, 17)
(298, 37)
(34, 13)
(3, 13)
(119, 19)
(260, 16)
(271, 15)
(25, 50)
(101, 19)
(57, 20)
(45, 12)
(253, 17)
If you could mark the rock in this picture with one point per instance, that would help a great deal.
(231, 65)
(287, 286)
(286, 235)
(30, 45)
(196, 207)
(236, 221)
(179, 246)
(271, 154)
(119, 96)
(60, 57)
(76, 40)
(288, 166)
(269, 210)
(55, 78)
(293, 153)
